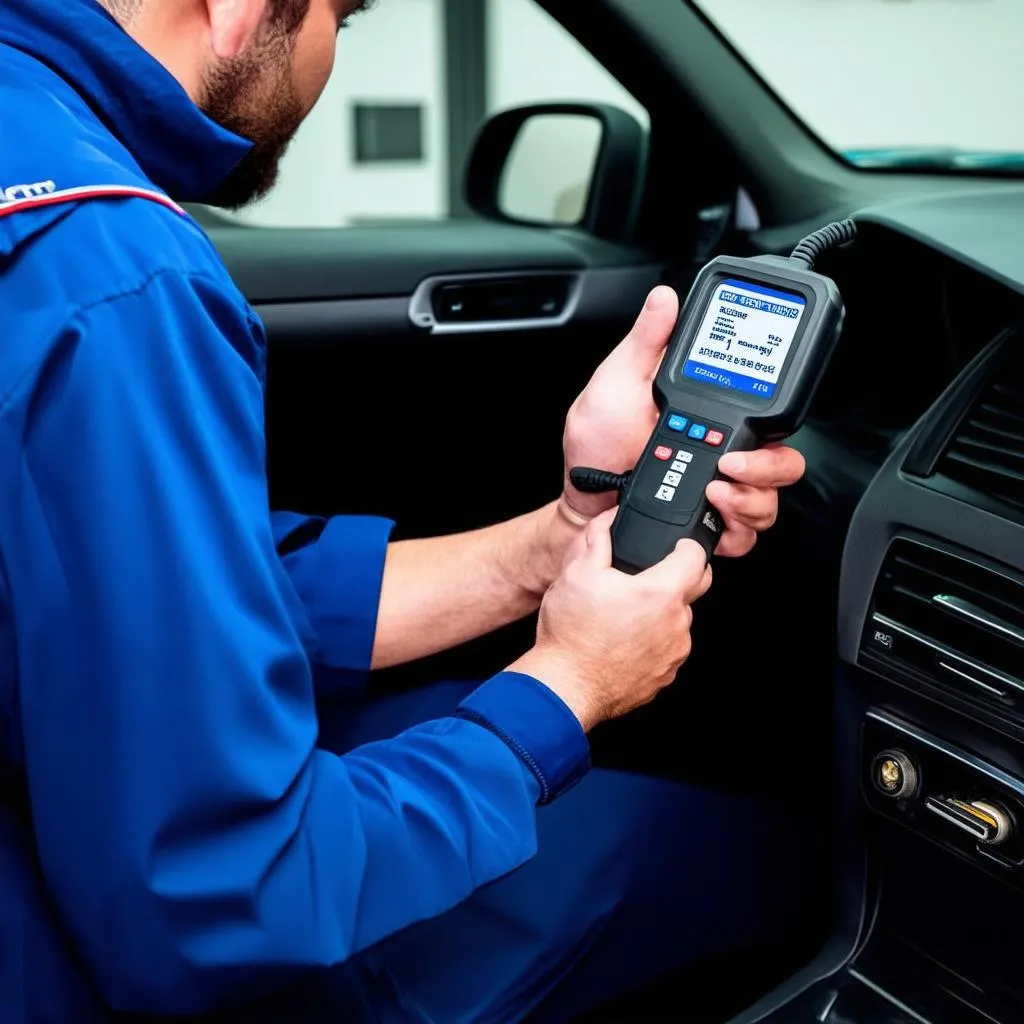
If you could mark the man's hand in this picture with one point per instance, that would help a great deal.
(749, 500)
(608, 642)
(610, 422)
(612, 419)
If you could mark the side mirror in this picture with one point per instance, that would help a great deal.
(560, 165)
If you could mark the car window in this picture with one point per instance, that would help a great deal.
(376, 148)
(891, 83)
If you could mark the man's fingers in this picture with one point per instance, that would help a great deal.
(705, 584)
(599, 538)
(682, 570)
(737, 541)
(749, 500)
(757, 507)
(774, 466)
(645, 344)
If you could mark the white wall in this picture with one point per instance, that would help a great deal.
(875, 73)
(532, 59)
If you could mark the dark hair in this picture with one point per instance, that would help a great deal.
(285, 15)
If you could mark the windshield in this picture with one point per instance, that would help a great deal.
(892, 83)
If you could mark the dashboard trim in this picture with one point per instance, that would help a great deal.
(974, 226)
(883, 994)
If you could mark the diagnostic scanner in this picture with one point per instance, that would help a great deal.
(752, 342)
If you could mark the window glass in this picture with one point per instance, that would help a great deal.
(375, 148)
(892, 83)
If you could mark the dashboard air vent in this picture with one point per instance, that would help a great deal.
(954, 622)
(987, 452)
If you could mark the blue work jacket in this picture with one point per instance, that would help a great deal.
(171, 837)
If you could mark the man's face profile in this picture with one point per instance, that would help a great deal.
(265, 93)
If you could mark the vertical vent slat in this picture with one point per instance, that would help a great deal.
(987, 452)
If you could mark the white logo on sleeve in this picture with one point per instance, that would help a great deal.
(13, 193)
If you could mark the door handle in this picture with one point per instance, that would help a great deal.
(495, 302)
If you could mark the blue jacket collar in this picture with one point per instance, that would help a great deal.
(177, 146)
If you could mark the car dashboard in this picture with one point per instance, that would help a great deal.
(903, 547)
(916, 444)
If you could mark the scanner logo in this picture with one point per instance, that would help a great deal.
(13, 193)
(711, 522)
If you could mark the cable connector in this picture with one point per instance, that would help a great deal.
(831, 236)
(597, 481)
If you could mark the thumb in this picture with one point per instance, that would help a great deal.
(646, 342)
(682, 570)
(599, 539)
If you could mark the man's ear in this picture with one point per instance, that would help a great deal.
(234, 25)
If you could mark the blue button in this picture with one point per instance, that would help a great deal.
(697, 431)
(676, 422)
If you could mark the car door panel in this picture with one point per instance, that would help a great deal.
(287, 264)
(441, 430)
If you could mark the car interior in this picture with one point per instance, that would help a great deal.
(860, 675)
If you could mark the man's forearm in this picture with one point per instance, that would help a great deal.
(442, 591)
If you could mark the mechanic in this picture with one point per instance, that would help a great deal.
(179, 833)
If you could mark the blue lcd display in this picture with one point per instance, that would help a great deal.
(745, 338)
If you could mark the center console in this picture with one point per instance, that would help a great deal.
(930, 725)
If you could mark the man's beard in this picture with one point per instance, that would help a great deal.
(254, 97)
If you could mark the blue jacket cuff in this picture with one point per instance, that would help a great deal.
(338, 576)
(538, 727)
(351, 553)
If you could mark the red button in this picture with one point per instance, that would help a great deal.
(715, 437)
(663, 453)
